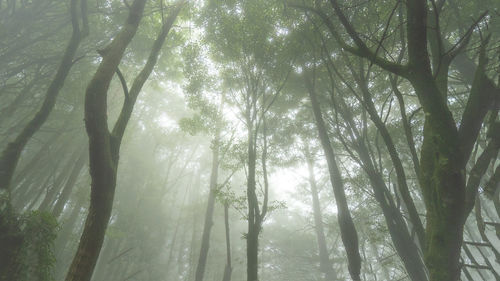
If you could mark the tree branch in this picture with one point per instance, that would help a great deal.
(361, 50)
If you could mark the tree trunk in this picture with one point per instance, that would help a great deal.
(446, 146)
(443, 183)
(252, 252)
(325, 263)
(9, 231)
(348, 231)
(205, 240)
(398, 230)
(253, 213)
(228, 269)
(396, 161)
(104, 147)
(103, 164)
(11, 154)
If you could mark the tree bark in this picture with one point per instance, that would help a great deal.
(252, 238)
(446, 146)
(104, 147)
(347, 229)
(228, 269)
(103, 163)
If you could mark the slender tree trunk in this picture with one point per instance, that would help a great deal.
(253, 252)
(193, 244)
(205, 240)
(324, 259)
(398, 165)
(228, 269)
(398, 230)
(68, 226)
(10, 239)
(69, 185)
(58, 182)
(252, 238)
(347, 229)
(11, 154)
(173, 241)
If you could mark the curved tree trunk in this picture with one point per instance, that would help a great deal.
(11, 154)
(103, 164)
(10, 238)
(104, 146)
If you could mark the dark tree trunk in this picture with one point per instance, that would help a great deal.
(10, 238)
(104, 146)
(228, 269)
(446, 145)
(403, 242)
(252, 238)
(103, 163)
(347, 229)
(11, 154)
(398, 165)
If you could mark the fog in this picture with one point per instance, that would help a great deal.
(248, 140)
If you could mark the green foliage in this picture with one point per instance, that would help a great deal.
(193, 125)
(199, 92)
(39, 231)
(276, 205)
(225, 195)
(32, 236)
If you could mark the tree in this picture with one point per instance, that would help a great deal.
(325, 262)
(104, 146)
(447, 144)
(256, 81)
(11, 238)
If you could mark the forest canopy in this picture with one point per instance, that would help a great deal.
(269, 140)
